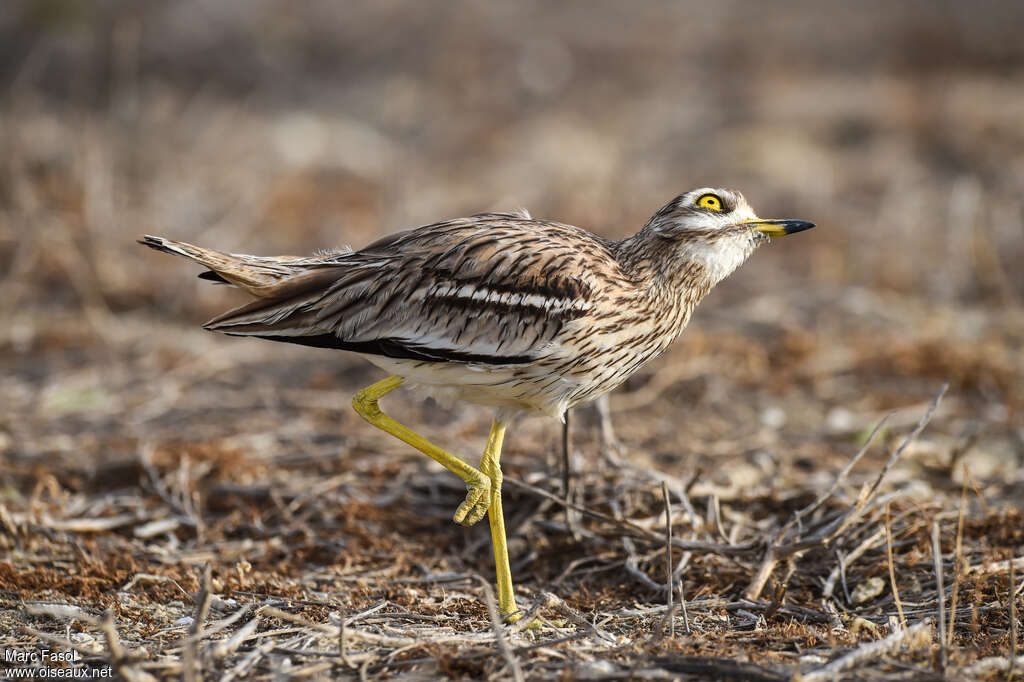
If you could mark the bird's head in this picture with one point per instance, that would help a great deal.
(715, 229)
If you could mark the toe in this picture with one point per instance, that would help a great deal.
(470, 515)
(474, 507)
(479, 512)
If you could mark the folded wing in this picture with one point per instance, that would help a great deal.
(491, 289)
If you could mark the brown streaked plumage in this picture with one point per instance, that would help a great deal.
(499, 309)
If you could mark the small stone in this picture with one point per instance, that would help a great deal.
(839, 419)
(867, 590)
(773, 417)
(860, 625)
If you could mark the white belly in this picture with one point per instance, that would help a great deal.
(510, 388)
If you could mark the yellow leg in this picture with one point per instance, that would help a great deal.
(491, 466)
(478, 498)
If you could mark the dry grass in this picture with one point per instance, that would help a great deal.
(180, 505)
(148, 466)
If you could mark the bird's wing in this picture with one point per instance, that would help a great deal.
(493, 289)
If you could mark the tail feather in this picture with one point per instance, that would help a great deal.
(285, 287)
(289, 311)
(212, 276)
(261, 277)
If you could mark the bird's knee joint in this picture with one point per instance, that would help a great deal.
(493, 472)
(483, 482)
(366, 406)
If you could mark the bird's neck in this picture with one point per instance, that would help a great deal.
(667, 272)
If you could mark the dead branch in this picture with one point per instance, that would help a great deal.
(867, 652)
(499, 634)
(738, 549)
(941, 599)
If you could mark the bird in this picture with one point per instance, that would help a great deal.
(503, 310)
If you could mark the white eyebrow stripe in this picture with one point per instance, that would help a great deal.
(508, 298)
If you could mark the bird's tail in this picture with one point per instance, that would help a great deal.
(282, 286)
(261, 277)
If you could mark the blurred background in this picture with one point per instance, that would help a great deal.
(133, 443)
(271, 126)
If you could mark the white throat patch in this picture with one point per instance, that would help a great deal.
(720, 257)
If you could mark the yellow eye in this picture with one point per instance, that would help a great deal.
(710, 201)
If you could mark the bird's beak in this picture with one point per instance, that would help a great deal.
(778, 228)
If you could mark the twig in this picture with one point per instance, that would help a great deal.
(867, 494)
(892, 570)
(775, 551)
(709, 547)
(698, 471)
(190, 654)
(937, 558)
(670, 611)
(242, 668)
(119, 658)
(339, 620)
(89, 525)
(848, 559)
(61, 611)
(925, 418)
(756, 586)
(274, 612)
(997, 566)
(145, 458)
(545, 644)
(668, 560)
(499, 635)
(865, 497)
(366, 613)
(110, 636)
(611, 448)
(958, 558)
(800, 515)
(120, 663)
(983, 668)
(778, 596)
(225, 648)
(866, 652)
(632, 566)
(579, 620)
(1011, 597)
(659, 628)
(118, 655)
(682, 602)
(531, 613)
(219, 625)
(842, 575)
(84, 650)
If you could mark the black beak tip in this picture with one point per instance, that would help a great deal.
(792, 226)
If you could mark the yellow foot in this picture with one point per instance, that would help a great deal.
(535, 625)
(477, 502)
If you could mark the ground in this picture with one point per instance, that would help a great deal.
(835, 438)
